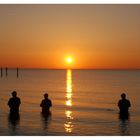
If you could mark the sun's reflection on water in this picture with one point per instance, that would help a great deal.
(69, 116)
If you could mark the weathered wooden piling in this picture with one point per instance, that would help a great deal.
(1, 72)
(17, 72)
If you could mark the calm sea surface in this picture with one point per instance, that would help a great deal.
(84, 102)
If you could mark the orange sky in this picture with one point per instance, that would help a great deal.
(95, 36)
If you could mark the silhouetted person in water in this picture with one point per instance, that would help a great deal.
(14, 120)
(124, 105)
(46, 104)
(14, 103)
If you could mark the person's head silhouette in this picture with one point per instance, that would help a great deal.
(14, 94)
(123, 95)
(46, 95)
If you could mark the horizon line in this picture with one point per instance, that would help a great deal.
(72, 68)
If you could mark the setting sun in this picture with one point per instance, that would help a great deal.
(69, 60)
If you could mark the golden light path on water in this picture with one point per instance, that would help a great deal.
(69, 116)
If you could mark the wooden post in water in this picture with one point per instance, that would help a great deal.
(17, 72)
(6, 71)
(1, 72)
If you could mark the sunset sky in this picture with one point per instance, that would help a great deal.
(94, 36)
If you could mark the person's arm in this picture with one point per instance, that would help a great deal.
(50, 103)
(9, 103)
(41, 104)
(19, 101)
(129, 103)
(119, 103)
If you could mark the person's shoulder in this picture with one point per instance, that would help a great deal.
(120, 100)
(11, 98)
(127, 100)
(18, 98)
(49, 101)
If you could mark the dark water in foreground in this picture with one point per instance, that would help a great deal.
(84, 102)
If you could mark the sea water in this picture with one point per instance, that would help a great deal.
(84, 102)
